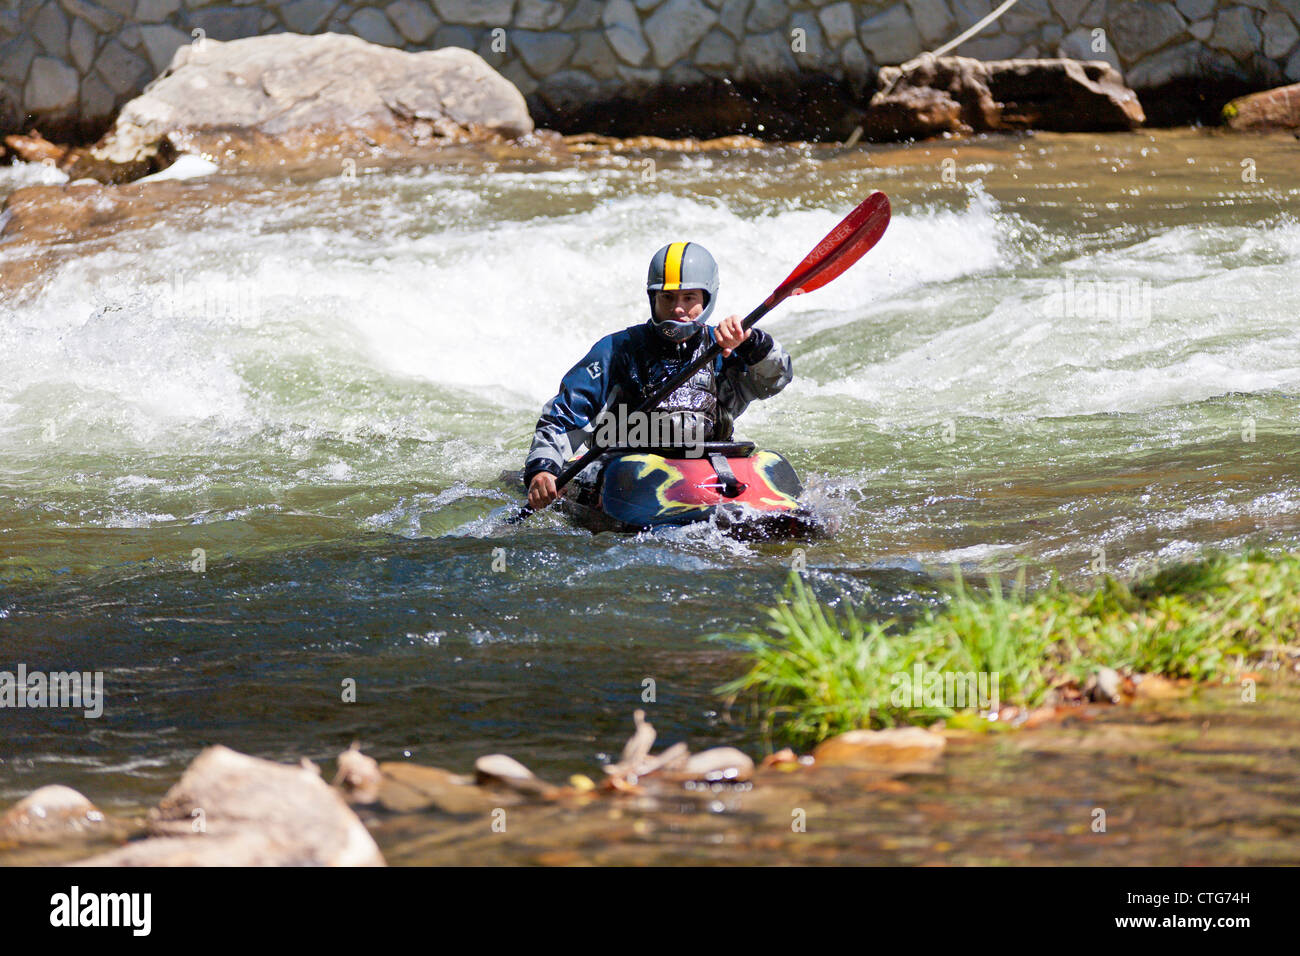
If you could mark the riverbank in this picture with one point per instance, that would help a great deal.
(1011, 656)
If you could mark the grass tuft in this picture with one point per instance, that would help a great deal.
(816, 671)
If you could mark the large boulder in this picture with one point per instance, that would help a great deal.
(934, 95)
(1276, 109)
(289, 100)
(229, 809)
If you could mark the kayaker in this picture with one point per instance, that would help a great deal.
(623, 368)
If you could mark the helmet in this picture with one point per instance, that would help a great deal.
(682, 265)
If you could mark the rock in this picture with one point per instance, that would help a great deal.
(413, 19)
(732, 17)
(229, 809)
(1279, 35)
(1069, 11)
(1235, 33)
(227, 23)
(838, 23)
(767, 55)
(1293, 66)
(105, 21)
(934, 22)
(408, 788)
(570, 90)
(584, 16)
(1103, 685)
(1169, 64)
(1143, 27)
(264, 101)
(717, 51)
(1078, 45)
(51, 87)
(1195, 9)
(161, 43)
(81, 44)
(718, 764)
(98, 102)
(766, 15)
(957, 94)
(1155, 687)
(676, 27)
(494, 13)
(358, 776)
(50, 28)
(891, 36)
(815, 55)
(306, 16)
(498, 770)
(623, 31)
(539, 14)
(595, 56)
(543, 53)
(48, 815)
(1002, 47)
(858, 64)
(372, 26)
(638, 745)
(155, 11)
(898, 746)
(1276, 109)
(35, 148)
(122, 70)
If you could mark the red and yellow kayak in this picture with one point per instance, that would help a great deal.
(744, 491)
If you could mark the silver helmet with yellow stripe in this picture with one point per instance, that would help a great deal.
(682, 265)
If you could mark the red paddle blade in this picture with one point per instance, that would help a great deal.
(844, 245)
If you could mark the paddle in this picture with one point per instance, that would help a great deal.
(844, 245)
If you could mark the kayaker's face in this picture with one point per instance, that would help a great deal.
(683, 305)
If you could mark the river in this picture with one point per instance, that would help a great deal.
(250, 459)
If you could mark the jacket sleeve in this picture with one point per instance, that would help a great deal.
(568, 420)
(758, 369)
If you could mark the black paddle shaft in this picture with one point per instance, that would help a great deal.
(670, 386)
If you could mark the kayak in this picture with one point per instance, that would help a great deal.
(746, 492)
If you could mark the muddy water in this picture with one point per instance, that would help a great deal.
(1067, 351)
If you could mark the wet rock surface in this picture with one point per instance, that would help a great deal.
(263, 102)
(1277, 109)
(952, 94)
(229, 809)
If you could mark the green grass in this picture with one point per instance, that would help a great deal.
(817, 672)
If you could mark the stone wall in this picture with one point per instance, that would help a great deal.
(68, 65)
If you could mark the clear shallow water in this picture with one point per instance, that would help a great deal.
(320, 383)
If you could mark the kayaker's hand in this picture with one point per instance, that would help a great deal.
(729, 333)
(541, 491)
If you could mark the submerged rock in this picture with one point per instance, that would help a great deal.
(264, 102)
(500, 770)
(409, 788)
(359, 776)
(956, 94)
(895, 747)
(1276, 109)
(48, 815)
(229, 809)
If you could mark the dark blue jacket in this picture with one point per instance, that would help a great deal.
(624, 368)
